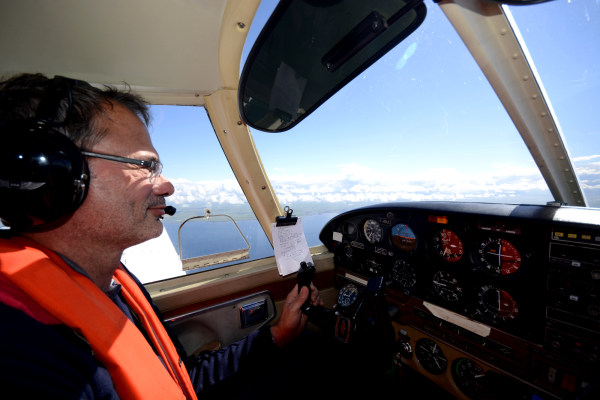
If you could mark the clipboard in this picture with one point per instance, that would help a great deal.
(289, 243)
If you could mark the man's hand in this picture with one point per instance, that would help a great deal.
(293, 320)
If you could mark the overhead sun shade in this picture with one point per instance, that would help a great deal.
(310, 49)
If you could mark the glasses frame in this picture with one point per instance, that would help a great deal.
(155, 167)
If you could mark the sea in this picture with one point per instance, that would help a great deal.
(201, 238)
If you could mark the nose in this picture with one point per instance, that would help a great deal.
(162, 186)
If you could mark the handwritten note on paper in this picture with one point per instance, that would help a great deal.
(290, 247)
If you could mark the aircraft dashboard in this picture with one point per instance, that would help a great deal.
(486, 300)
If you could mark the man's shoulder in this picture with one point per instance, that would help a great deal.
(31, 341)
(19, 327)
(39, 359)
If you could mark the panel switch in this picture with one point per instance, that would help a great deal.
(253, 313)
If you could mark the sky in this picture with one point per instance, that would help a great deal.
(420, 124)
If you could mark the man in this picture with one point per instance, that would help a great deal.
(74, 322)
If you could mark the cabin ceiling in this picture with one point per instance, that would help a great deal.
(167, 50)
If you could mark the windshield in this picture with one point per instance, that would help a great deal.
(423, 123)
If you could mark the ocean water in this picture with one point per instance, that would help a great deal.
(199, 237)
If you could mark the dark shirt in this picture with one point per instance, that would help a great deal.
(53, 362)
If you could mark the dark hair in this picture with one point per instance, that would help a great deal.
(20, 98)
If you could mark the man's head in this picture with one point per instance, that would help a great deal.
(76, 103)
(102, 121)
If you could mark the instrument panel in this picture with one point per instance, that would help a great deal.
(511, 290)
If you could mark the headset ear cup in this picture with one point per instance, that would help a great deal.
(43, 176)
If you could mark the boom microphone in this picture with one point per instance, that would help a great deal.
(170, 210)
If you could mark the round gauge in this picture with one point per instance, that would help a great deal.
(431, 356)
(349, 230)
(404, 274)
(373, 231)
(347, 295)
(497, 304)
(344, 255)
(499, 257)
(403, 237)
(447, 286)
(448, 245)
(469, 377)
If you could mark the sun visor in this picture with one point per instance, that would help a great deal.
(310, 49)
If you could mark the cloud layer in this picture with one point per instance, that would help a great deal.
(354, 183)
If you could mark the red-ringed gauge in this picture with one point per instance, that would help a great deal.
(498, 256)
(448, 245)
(496, 304)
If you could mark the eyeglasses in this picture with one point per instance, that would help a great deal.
(155, 167)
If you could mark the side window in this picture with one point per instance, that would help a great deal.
(194, 162)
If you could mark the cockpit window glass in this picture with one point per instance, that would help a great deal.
(195, 164)
(423, 123)
(563, 38)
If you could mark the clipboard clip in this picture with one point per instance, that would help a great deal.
(287, 219)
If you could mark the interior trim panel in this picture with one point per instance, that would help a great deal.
(219, 325)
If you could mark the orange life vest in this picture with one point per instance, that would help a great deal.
(61, 295)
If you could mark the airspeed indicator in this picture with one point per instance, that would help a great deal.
(373, 231)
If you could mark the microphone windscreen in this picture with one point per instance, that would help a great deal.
(170, 210)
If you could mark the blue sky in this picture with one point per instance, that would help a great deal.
(420, 124)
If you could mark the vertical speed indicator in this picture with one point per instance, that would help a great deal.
(446, 286)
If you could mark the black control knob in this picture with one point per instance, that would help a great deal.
(405, 349)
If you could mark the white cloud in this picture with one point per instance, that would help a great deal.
(356, 183)
(210, 192)
(586, 158)
(590, 169)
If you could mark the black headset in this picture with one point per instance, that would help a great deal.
(44, 177)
